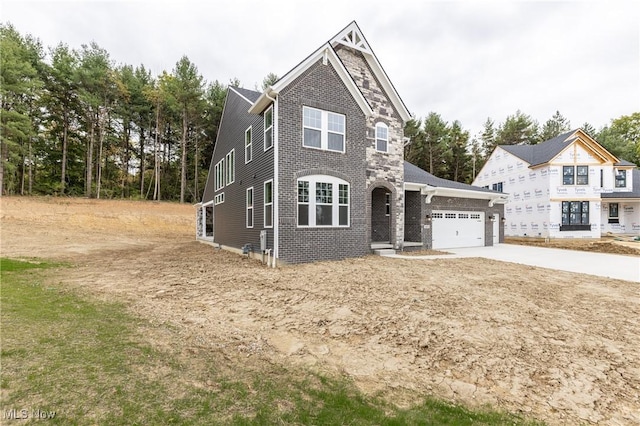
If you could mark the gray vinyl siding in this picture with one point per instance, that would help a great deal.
(320, 87)
(230, 216)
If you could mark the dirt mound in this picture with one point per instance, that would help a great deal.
(610, 245)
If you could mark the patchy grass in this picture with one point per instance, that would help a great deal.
(79, 361)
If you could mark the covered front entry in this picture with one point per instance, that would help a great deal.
(380, 215)
(454, 229)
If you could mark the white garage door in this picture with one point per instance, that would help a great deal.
(452, 229)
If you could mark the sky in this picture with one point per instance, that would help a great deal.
(465, 60)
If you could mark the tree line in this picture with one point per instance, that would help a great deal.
(446, 149)
(75, 123)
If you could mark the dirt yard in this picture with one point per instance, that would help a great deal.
(609, 244)
(556, 346)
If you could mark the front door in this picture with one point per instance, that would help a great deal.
(381, 215)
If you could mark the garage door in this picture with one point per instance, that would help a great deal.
(452, 229)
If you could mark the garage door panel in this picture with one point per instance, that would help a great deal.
(454, 229)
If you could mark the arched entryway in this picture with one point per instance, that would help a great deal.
(381, 215)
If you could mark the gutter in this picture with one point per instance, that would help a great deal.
(432, 191)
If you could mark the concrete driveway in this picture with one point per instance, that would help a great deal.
(600, 264)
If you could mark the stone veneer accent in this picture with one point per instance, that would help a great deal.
(382, 169)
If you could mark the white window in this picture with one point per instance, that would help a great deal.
(268, 204)
(621, 179)
(268, 128)
(219, 199)
(250, 207)
(382, 137)
(219, 175)
(323, 129)
(231, 167)
(323, 201)
(248, 146)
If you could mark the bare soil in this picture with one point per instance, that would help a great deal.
(557, 346)
(627, 245)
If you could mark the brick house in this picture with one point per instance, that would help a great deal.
(567, 187)
(313, 168)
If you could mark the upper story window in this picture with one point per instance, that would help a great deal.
(323, 201)
(497, 186)
(231, 166)
(621, 178)
(248, 145)
(219, 175)
(578, 175)
(382, 137)
(582, 175)
(268, 128)
(568, 175)
(323, 129)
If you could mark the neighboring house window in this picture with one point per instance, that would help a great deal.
(219, 175)
(323, 129)
(219, 199)
(601, 178)
(567, 175)
(578, 175)
(248, 146)
(613, 213)
(575, 216)
(268, 204)
(268, 128)
(582, 175)
(231, 167)
(497, 186)
(621, 178)
(382, 137)
(323, 201)
(250, 207)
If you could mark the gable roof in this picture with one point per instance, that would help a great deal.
(624, 162)
(414, 174)
(546, 151)
(542, 152)
(350, 36)
(635, 193)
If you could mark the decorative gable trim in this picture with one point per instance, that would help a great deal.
(327, 55)
(587, 142)
(352, 37)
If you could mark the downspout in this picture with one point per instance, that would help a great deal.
(276, 225)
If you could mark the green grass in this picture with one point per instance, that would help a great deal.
(93, 363)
